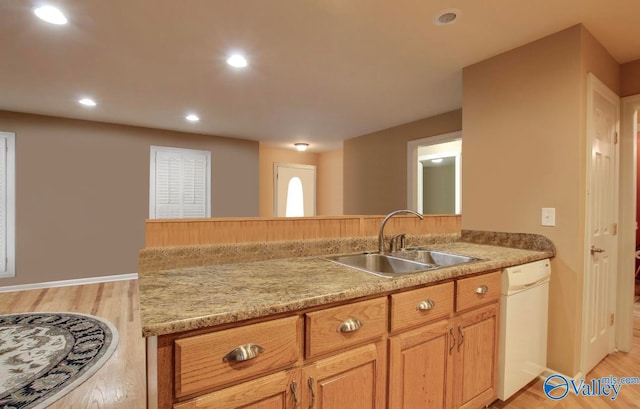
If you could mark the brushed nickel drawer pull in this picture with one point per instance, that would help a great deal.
(426, 305)
(243, 353)
(350, 325)
(483, 289)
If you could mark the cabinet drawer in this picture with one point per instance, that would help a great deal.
(478, 290)
(415, 307)
(200, 362)
(339, 327)
(274, 390)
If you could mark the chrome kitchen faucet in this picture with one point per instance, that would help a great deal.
(381, 248)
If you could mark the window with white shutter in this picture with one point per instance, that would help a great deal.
(180, 183)
(7, 204)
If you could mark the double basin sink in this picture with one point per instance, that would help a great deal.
(407, 261)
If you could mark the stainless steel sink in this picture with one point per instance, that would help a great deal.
(439, 258)
(412, 260)
(381, 265)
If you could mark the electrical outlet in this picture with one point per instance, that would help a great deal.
(548, 216)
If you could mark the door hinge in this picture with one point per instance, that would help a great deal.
(614, 229)
(615, 138)
(612, 319)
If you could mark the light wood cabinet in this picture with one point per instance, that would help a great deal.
(354, 379)
(269, 392)
(203, 361)
(420, 306)
(337, 328)
(429, 348)
(478, 290)
(420, 363)
(475, 358)
(449, 363)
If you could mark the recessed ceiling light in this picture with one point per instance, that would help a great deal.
(88, 102)
(192, 118)
(50, 14)
(237, 60)
(301, 147)
(445, 17)
(436, 160)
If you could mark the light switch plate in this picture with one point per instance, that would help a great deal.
(548, 216)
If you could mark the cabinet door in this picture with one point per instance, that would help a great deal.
(420, 367)
(278, 391)
(475, 372)
(354, 379)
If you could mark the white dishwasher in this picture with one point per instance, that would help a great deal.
(524, 306)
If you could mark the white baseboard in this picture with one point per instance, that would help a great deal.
(64, 283)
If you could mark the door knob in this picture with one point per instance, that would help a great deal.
(595, 250)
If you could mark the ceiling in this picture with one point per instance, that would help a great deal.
(320, 71)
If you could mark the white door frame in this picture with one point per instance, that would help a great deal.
(277, 165)
(413, 165)
(627, 222)
(10, 205)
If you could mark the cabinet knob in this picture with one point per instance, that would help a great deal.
(350, 325)
(483, 289)
(426, 305)
(243, 353)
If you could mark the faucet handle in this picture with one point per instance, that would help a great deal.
(398, 238)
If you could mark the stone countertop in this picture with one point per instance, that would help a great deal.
(185, 299)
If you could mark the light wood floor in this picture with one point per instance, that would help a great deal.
(618, 364)
(120, 383)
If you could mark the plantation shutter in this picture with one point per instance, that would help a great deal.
(181, 183)
(3, 205)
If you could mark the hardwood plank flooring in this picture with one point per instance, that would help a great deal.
(120, 383)
(618, 364)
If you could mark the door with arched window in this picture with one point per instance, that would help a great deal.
(294, 190)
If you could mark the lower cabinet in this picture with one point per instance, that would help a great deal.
(420, 365)
(277, 391)
(425, 353)
(474, 369)
(355, 379)
(448, 362)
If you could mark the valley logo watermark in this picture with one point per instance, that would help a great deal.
(557, 386)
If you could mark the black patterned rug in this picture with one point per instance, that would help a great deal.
(43, 356)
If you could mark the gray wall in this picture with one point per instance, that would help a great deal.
(83, 192)
(375, 165)
(439, 189)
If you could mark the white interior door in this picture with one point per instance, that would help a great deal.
(601, 224)
(294, 190)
